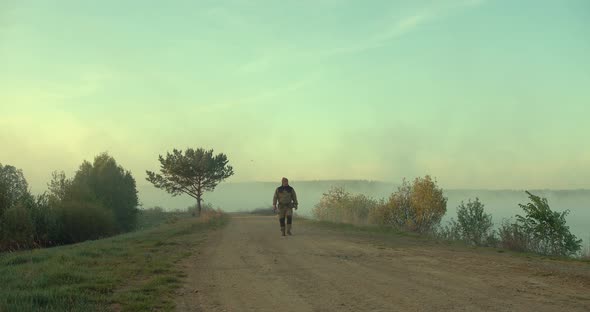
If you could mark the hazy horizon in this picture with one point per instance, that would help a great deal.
(502, 204)
(478, 94)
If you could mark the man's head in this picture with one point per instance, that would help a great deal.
(285, 181)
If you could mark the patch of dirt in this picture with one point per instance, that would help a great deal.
(247, 266)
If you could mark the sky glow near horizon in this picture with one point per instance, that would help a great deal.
(479, 94)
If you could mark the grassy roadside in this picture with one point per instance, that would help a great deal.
(392, 235)
(130, 272)
(369, 229)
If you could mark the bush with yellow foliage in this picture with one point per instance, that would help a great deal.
(417, 207)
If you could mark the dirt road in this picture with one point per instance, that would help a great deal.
(247, 266)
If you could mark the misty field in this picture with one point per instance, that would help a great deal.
(501, 204)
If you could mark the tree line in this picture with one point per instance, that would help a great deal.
(99, 200)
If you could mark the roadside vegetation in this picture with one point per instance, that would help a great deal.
(99, 201)
(136, 271)
(419, 207)
(106, 253)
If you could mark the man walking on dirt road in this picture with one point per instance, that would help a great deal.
(287, 200)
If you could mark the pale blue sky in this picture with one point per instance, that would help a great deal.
(483, 94)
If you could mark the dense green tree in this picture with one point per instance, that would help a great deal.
(476, 226)
(547, 229)
(58, 187)
(83, 220)
(107, 184)
(16, 228)
(13, 187)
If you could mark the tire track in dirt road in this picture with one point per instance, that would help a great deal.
(247, 266)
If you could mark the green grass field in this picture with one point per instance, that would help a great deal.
(131, 272)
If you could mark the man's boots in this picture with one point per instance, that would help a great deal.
(289, 229)
(283, 230)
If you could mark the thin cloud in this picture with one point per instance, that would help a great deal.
(378, 40)
(89, 81)
(399, 28)
(268, 94)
